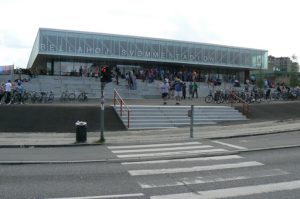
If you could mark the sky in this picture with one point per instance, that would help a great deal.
(271, 25)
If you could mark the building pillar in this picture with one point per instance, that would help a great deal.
(52, 67)
(247, 74)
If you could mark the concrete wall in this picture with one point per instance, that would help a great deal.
(55, 118)
(275, 111)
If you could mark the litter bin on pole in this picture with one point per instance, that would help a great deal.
(81, 131)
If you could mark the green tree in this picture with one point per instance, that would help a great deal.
(294, 73)
(294, 76)
(260, 79)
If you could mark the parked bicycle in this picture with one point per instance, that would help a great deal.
(15, 97)
(82, 97)
(216, 97)
(26, 97)
(67, 96)
(42, 97)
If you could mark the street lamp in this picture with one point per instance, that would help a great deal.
(102, 139)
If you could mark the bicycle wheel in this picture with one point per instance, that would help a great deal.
(268, 98)
(2, 97)
(35, 97)
(71, 96)
(258, 99)
(274, 96)
(26, 97)
(220, 99)
(14, 98)
(63, 96)
(51, 98)
(85, 98)
(80, 97)
(208, 99)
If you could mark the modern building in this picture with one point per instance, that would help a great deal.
(65, 52)
(281, 64)
(280, 69)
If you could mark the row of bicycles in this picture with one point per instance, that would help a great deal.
(44, 97)
(253, 96)
(71, 96)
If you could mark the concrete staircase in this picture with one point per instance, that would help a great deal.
(152, 117)
(58, 84)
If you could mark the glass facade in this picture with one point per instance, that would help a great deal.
(60, 43)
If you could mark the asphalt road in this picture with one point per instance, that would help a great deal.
(261, 174)
(263, 141)
(265, 174)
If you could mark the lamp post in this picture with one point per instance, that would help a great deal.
(192, 122)
(102, 139)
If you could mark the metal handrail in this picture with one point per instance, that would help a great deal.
(246, 105)
(119, 99)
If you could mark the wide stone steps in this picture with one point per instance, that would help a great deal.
(151, 117)
(91, 86)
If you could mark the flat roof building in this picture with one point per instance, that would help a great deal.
(60, 51)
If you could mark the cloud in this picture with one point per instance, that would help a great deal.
(250, 23)
(11, 39)
(18, 57)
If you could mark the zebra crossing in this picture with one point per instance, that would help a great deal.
(196, 171)
(163, 150)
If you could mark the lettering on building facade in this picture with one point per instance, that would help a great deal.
(101, 46)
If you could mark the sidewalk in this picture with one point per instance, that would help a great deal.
(14, 140)
(95, 152)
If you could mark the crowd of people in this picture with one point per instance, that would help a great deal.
(178, 89)
(10, 89)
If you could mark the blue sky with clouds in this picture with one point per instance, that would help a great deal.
(263, 24)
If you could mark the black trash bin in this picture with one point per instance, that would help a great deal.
(80, 131)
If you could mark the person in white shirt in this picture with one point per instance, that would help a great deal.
(8, 91)
(165, 91)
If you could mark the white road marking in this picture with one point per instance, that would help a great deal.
(153, 145)
(226, 157)
(230, 145)
(163, 149)
(235, 192)
(105, 196)
(211, 179)
(171, 153)
(194, 169)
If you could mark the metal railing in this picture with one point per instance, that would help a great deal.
(123, 107)
(246, 105)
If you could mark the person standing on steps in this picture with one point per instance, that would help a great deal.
(190, 90)
(178, 90)
(195, 89)
(165, 90)
(183, 90)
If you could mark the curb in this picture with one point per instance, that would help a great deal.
(95, 143)
(50, 145)
(251, 135)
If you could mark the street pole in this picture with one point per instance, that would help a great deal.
(102, 139)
